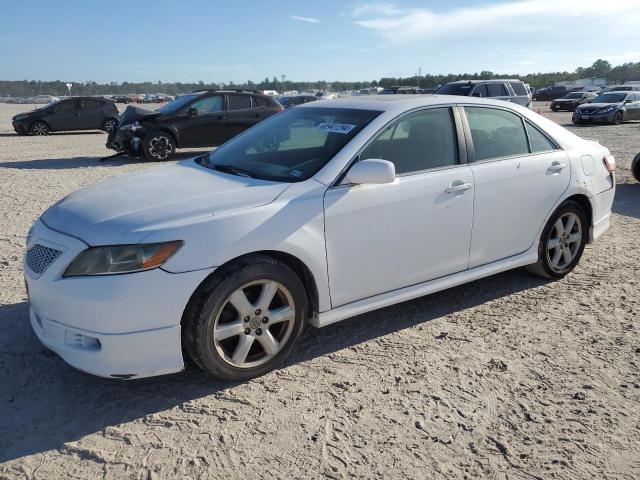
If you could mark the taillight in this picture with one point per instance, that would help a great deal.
(609, 162)
(280, 108)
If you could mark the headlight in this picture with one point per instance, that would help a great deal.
(608, 109)
(21, 116)
(121, 259)
(132, 126)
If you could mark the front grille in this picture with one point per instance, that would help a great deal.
(40, 257)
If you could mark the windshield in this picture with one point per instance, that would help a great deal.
(177, 104)
(573, 95)
(290, 146)
(610, 98)
(455, 89)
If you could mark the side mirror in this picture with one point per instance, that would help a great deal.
(628, 101)
(475, 94)
(192, 112)
(371, 171)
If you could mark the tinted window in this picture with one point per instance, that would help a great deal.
(610, 98)
(455, 89)
(208, 105)
(519, 88)
(89, 103)
(419, 141)
(496, 133)
(239, 102)
(260, 101)
(480, 91)
(291, 146)
(538, 141)
(177, 103)
(495, 90)
(64, 106)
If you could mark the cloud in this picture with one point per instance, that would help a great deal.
(305, 19)
(524, 18)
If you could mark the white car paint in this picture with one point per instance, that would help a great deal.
(366, 246)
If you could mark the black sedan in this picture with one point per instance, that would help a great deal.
(571, 100)
(77, 113)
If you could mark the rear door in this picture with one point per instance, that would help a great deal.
(498, 91)
(240, 115)
(633, 108)
(521, 95)
(64, 115)
(90, 115)
(519, 174)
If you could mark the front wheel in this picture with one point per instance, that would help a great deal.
(635, 167)
(618, 118)
(109, 125)
(245, 321)
(562, 241)
(158, 146)
(39, 128)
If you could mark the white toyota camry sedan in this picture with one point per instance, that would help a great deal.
(326, 211)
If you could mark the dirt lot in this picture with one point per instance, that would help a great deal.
(507, 377)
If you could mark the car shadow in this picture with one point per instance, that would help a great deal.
(82, 404)
(627, 200)
(54, 134)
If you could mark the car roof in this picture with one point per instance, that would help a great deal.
(492, 80)
(402, 102)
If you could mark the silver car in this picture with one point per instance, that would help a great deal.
(503, 89)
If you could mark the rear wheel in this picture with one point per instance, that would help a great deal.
(39, 128)
(635, 167)
(246, 321)
(562, 241)
(158, 146)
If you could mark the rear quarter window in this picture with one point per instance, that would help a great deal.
(519, 88)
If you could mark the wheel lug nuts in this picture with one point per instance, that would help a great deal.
(246, 319)
(258, 312)
(247, 331)
(259, 331)
(265, 319)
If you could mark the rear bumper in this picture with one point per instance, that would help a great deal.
(601, 209)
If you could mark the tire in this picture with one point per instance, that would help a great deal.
(247, 345)
(549, 265)
(39, 128)
(635, 167)
(618, 118)
(109, 124)
(158, 146)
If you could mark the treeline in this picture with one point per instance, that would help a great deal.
(600, 68)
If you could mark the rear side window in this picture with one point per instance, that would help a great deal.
(495, 90)
(538, 141)
(519, 88)
(496, 133)
(259, 101)
(239, 102)
(89, 103)
(419, 141)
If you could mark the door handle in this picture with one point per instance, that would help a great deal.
(457, 187)
(556, 167)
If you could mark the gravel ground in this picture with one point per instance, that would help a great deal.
(507, 377)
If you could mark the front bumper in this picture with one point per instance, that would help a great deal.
(118, 326)
(123, 140)
(20, 127)
(593, 117)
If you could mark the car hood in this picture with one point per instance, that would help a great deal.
(597, 106)
(133, 113)
(128, 208)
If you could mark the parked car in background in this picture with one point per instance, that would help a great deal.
(76, 113)
(201, 119)
(289, 102)
(406, 90)
(135, 97)
(610, 107)
(635, 167)
(553, 93)
(571, 100)
(224, 258)
(625, 88)
(43, 99)
(508, 90)
(120, 98)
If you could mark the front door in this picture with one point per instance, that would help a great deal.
(381, 238)
(202, 123)
(519, 175)
(64, 115)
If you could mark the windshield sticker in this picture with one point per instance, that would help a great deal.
(295, 173)
(343, 128)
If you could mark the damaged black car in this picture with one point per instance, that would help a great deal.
(200, 119)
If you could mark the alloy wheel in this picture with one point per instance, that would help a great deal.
(254, 323)
(109, 125)
(160, 147)
(39, 128)
(617, 119)
(564, 241)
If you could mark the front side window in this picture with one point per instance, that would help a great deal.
(419, 141)
(455, 89)
(496, 133)
(208, 105)
(291, 146)
(239, 102)
(65, 106)
(480, 91)
(495, 90)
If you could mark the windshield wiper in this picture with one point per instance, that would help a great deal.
(234, 170)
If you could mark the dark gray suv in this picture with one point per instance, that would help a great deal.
(508, 90)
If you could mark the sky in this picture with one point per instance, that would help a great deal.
(240, 40)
